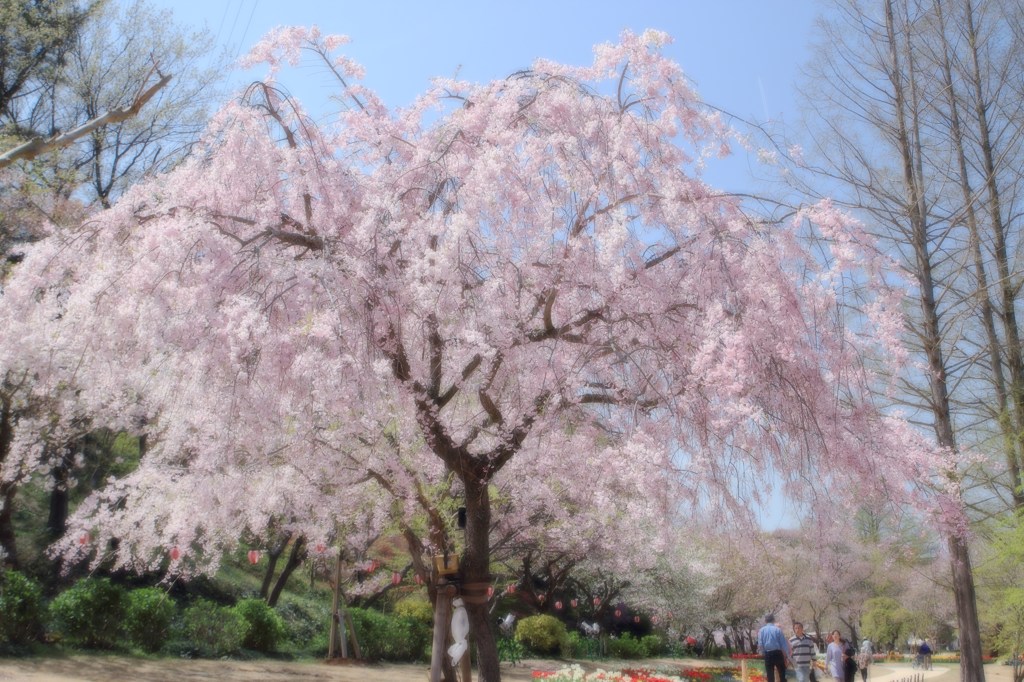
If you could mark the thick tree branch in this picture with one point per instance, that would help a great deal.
(40, 145)
(467, 372)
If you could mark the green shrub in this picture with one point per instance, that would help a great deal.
(384, 637)
(148, 618)
(625, 646)
(90, 613)
(416, 608)
(510, 650)
(652, 645)
(213, 630)
(264, 628)
(21, 610)
(541, 634)
(574, 645)
(306, 625)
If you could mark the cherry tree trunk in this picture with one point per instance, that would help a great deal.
(7, 490)
(476, 569)
(56, 522)
(268, 576)
(7, 537)
(298, 553)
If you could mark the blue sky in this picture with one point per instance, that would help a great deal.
(743, 55)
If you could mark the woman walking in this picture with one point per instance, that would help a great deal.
(834, 657)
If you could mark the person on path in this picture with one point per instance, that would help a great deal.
(865, 657)
(849, 661)
(925, 652)
(834, 657)
(774, 646)
(802, 652)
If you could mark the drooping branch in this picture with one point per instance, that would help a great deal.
(511, 445)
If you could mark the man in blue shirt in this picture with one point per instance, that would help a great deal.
(774, 646)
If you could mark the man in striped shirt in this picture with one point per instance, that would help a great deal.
(802, 652)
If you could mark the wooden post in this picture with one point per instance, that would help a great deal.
(342, 634)
(465, 668)
(442, 622)
(356, 651)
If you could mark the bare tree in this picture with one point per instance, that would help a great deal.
(918, 129)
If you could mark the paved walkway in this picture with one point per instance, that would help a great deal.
(888, 672)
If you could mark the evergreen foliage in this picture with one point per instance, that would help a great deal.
(542, 634)
(264, 628)
(384, 637)
(213, 630)
(90, 613)
(20, 608)
(148, 618)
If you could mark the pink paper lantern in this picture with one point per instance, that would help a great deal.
(84, 539)
(618, 613)
(490, 591)
(254, 556)
(511, 589)
(636, 619)
(396, 578)
(574, 603)
(175, 553)
(597, 601)
(558, 605)
(419, 579)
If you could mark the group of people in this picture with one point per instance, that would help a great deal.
(842, 660)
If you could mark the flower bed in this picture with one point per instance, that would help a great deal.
(576, 674)
(709, 674)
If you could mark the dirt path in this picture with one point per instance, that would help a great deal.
(83, 668)
(106, 668)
